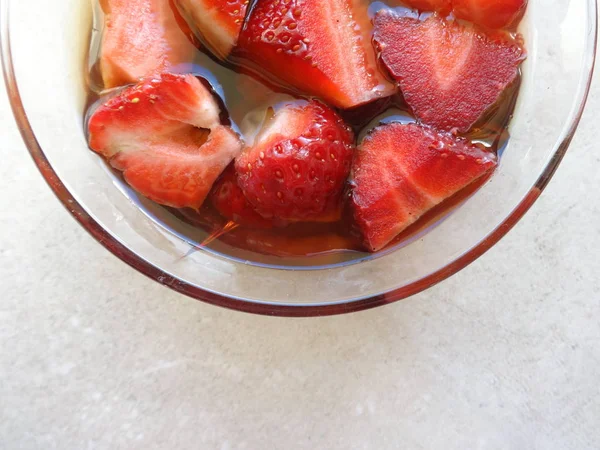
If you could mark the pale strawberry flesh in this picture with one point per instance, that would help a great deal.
(218, 22)
(164, 134)
(141, 38)
(401, 171)
(449, 73)
(297, 168)
(179, 170)
(317, 48)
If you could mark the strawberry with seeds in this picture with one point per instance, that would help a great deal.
(165, 135)
(403, 170)
(141, 37)
(449, 73)
(319, 48)
(297, 168)
(230, 201)
(219, 22)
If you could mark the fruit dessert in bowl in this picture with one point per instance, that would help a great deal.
(295, 157)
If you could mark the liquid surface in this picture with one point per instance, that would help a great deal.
(247, 102)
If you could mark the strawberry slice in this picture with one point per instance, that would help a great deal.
(230, 201)
(297, 168)
(319, 48)
(450, 74)
(219, 22)
(141, 37)
(491, 13)
(157, 133)
(402, 170)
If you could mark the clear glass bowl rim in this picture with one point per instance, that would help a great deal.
(156, 274)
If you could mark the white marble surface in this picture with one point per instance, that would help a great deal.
(504, 355)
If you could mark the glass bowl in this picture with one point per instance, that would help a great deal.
(43, 54)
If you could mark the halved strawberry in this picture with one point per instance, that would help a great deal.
(164, 134)
(449, 73)
(297, 168)
(141, 37)
(490, 13)
(230, 201)
(319, 48)
(155, 107)
(402, 170)
(219, 22)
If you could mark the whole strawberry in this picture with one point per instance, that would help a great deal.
(297, 168)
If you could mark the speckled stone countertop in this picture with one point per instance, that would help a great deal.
(504, 355)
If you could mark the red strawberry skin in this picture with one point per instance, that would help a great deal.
(141, 38)
(491, 13)
(229, 200)
(450, 74)
(402, 170)
(319, 48)
(219, 22)
(297, 168)
(157, 134)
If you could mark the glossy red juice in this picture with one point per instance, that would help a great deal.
(247, 102)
